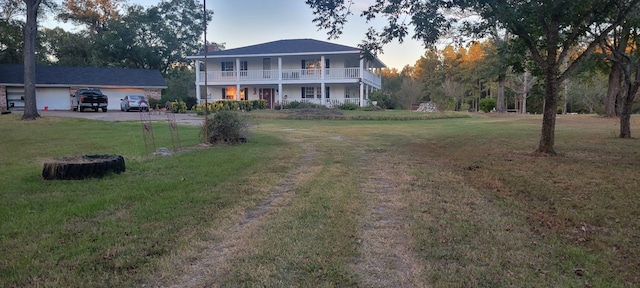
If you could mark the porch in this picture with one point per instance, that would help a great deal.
(342, 75)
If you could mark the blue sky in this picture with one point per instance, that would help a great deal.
(246, 22)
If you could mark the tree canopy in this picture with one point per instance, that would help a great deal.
(549, 29)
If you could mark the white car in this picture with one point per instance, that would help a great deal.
(137, 102)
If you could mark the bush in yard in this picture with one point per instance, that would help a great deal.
(487, 104)
(179, 107)
(382, 100)
(348, 106)
(371, 107)
(226, 127)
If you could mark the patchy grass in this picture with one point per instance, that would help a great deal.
(113, 231)
(481, 210)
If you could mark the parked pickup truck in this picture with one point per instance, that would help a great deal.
(89, 98)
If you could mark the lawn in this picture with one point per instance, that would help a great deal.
(373, 199)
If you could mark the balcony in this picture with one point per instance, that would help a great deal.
(290, 76)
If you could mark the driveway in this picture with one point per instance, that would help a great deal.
(187, 118)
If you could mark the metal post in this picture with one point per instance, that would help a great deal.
(206, 95)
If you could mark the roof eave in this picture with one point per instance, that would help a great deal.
(274, 54)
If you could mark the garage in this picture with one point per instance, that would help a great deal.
(116, 94)
(55, 84)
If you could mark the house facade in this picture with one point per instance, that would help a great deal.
(303, 70)
(55, 84)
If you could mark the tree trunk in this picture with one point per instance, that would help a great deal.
(628, 97)
(565, 96)
(613, 90)
(525, 91)
(30, 33)
(500, 103)
(547, 137)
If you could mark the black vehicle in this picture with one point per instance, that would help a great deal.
(89, 98)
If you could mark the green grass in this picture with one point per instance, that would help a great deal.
(481, 209)
(105, 231)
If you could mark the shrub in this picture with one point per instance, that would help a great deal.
(382, 100)
(300, 105)
(153, 103)
(228, 105)
(179, 106)
(371, 107)
(191, 102)
(348, 106)
(226, 127)
(487, 104)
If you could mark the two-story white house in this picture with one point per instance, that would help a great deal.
(283, 71)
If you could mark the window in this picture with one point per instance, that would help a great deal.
(308, 92)
(347, 92)
(244, 65)
(227, 68)
(311, 66)
(326, 92)
(266, 66)
(327, 66)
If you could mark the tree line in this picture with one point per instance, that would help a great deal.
(109, 33)
(551, 40)
(458, 78)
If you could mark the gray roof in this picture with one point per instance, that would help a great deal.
(285, 47)
(291, 46)
(13, 74)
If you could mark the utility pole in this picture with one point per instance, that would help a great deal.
(206, 95)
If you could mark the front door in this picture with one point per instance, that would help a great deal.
(267, 94)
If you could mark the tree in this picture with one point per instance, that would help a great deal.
(95, 14)
(522, 84)
(30, 33)
(157, 37)
(628, 62)
(12, 27)
(547, 28)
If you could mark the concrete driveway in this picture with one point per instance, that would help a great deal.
(188, 118)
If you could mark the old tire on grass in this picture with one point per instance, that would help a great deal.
(82, 167)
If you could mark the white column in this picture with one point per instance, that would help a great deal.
(198, 95)
(322, 85)
(198, 92)
(322, 93)
(280, 80)
(361, 82)
(198, 72)
(237, 79)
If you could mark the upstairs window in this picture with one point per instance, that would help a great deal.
(227, 68)
(244, 66)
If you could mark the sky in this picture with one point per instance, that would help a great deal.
(239, 23)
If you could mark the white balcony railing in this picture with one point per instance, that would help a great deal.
(288, 75)
(333, 102)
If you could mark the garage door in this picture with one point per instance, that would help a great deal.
(116, 94)
(53, 98)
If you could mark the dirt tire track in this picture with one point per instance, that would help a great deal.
(214, 262)
(387, 255)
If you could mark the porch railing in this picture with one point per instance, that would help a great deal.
(288, 75)
(328, 102)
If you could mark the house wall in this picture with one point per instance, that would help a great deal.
(293, 92)
(153, 93)
(291, 62)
